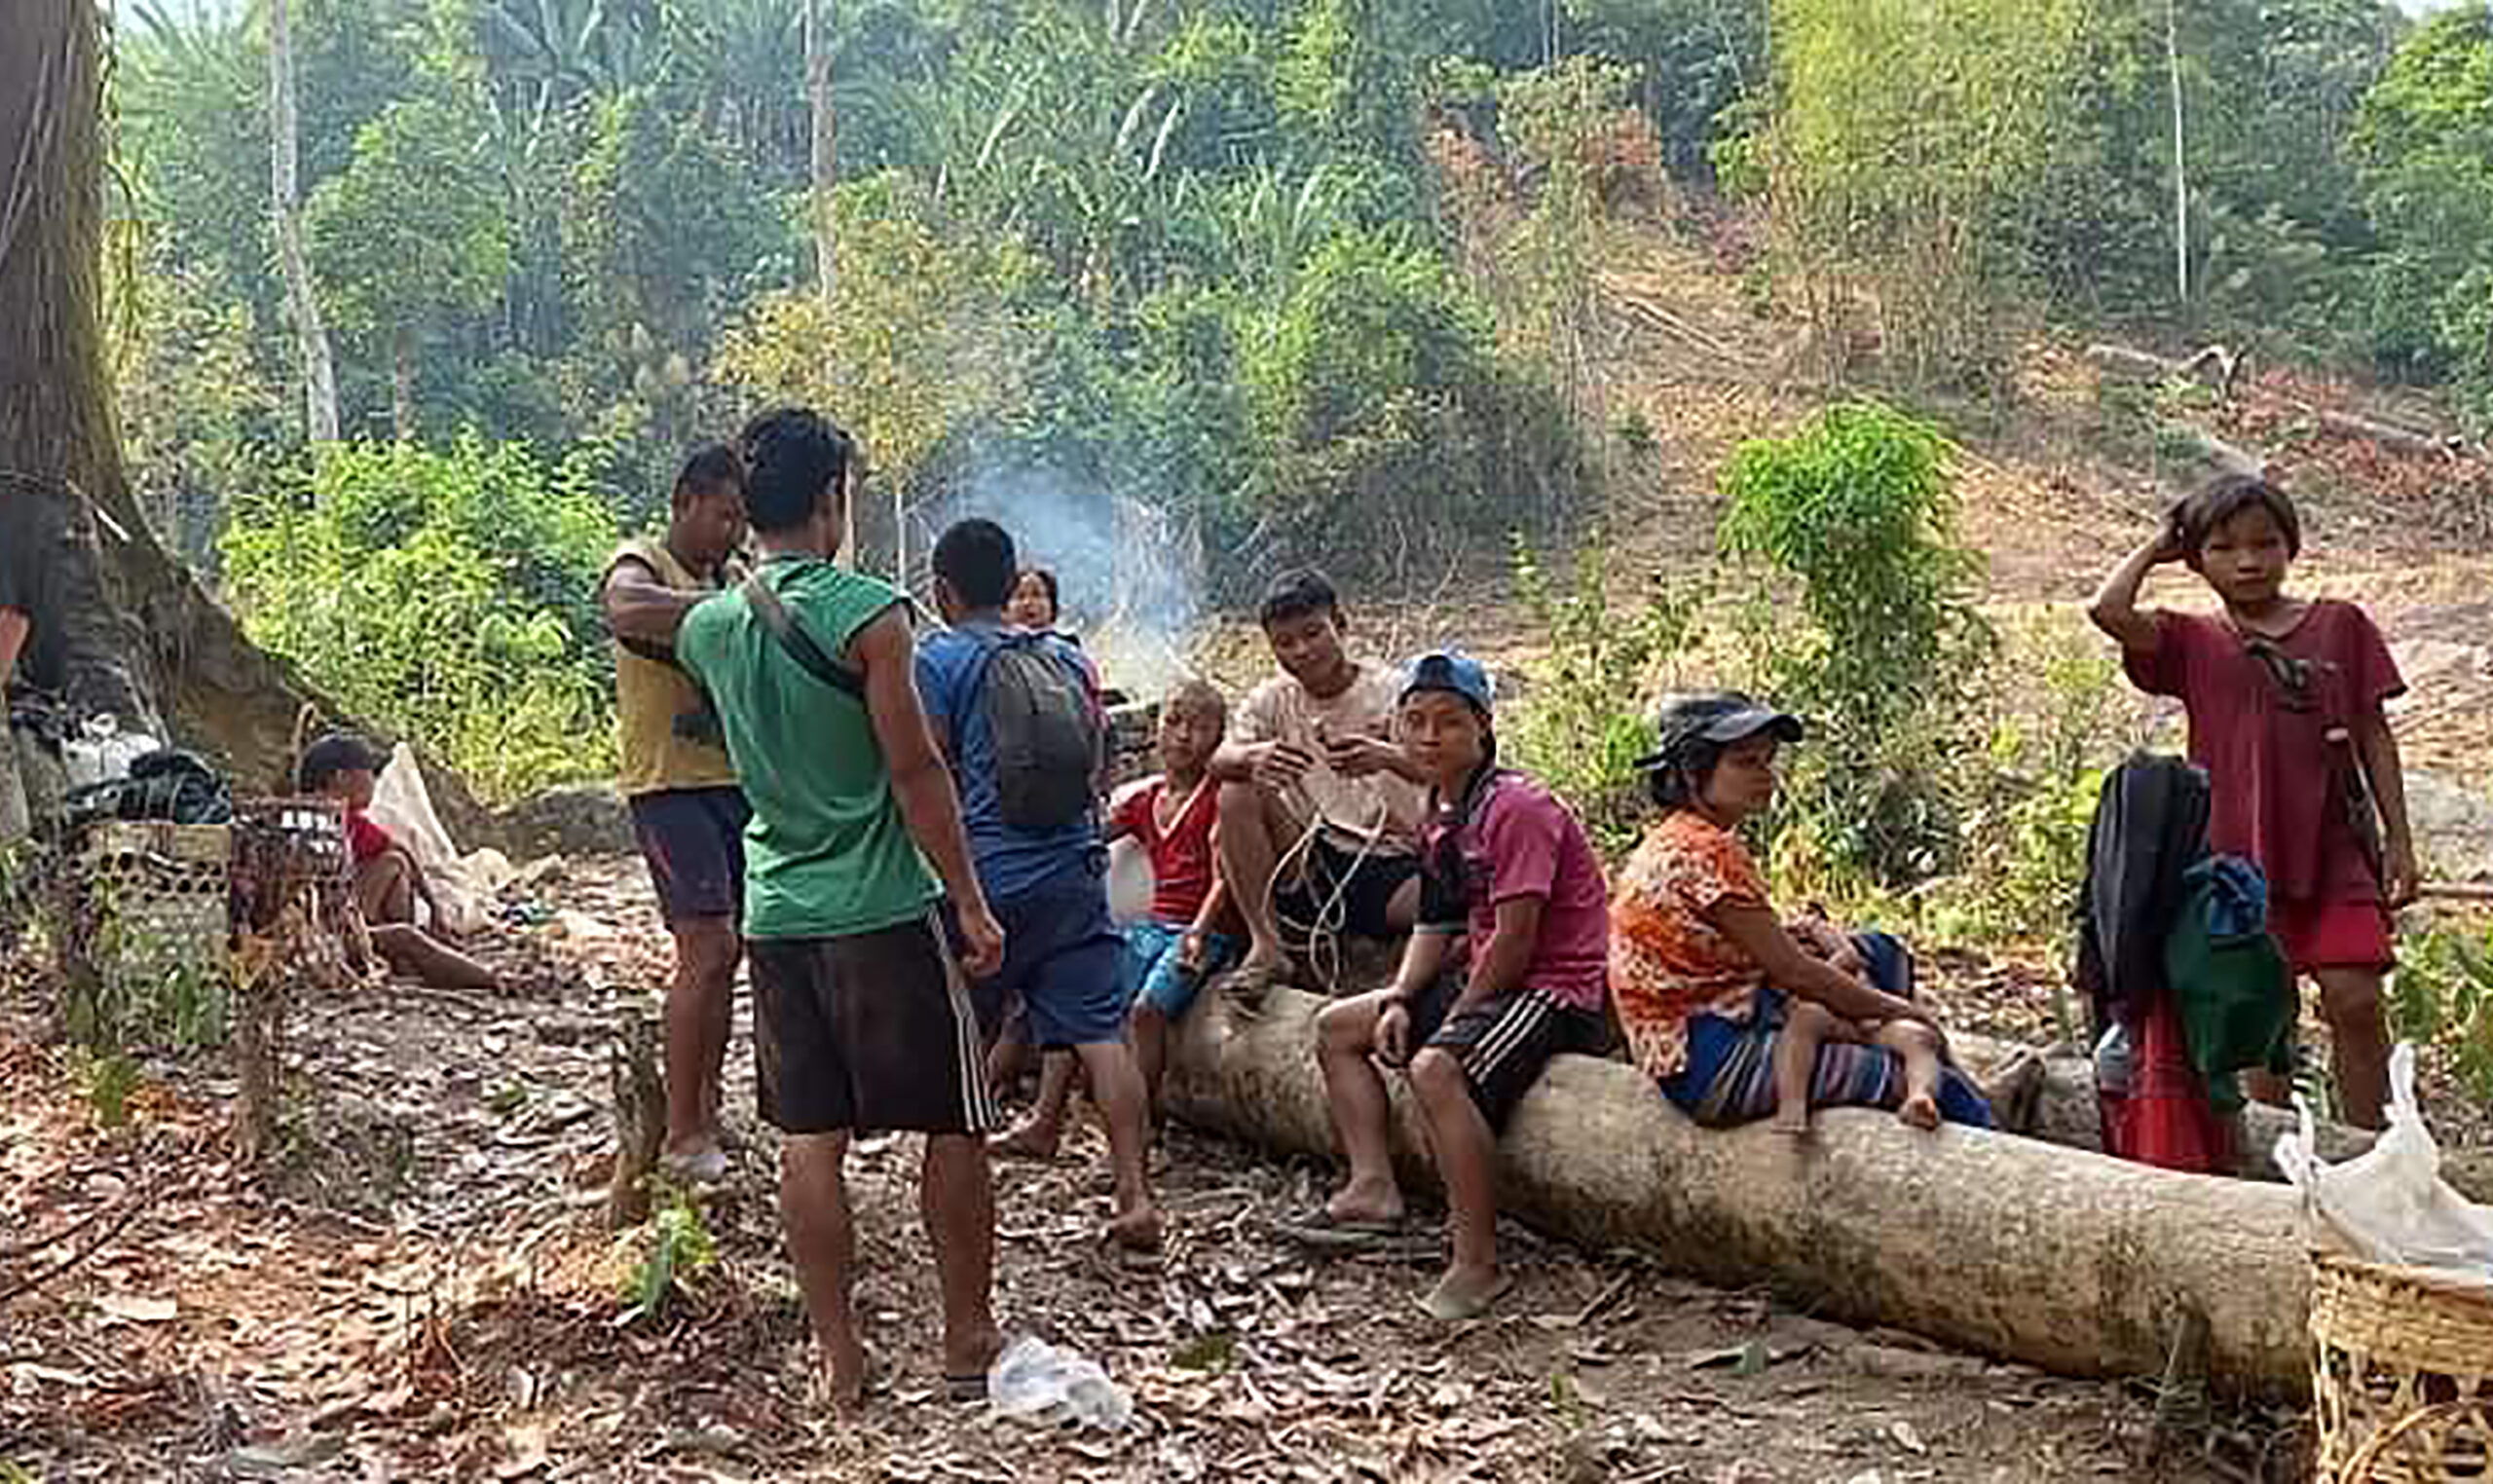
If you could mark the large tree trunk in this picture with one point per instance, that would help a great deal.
(2059, 1258)
(2067, 1113)
(285, 202)
(142, 611)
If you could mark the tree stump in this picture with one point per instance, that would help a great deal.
(640, 1114)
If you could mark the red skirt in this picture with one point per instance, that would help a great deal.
(2166, 1120)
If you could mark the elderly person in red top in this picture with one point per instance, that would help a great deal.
(1505, 867)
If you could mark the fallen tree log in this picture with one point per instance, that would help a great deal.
(2053, 1256)
(2067, 1113)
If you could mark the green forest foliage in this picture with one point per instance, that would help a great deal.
(1312, 277)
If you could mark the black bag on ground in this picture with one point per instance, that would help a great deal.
(170, 785)
(1050, 740)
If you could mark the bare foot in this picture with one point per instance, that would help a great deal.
(845, 1379)
(1792, 1122)
(1136, 1230)
(1921, 1111)
(1466, 1293)
(698, 1163)
(1030, 1141)
(970, 1356)
(1380, 1205)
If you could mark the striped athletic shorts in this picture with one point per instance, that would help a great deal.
(1502, 1044)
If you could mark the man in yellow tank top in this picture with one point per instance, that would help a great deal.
(687, 811)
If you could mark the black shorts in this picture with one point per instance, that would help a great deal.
(1503, 1044)
(1358, 890)
(872, 1033)
(694, 840)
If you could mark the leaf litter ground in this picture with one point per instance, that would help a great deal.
(425, 1289)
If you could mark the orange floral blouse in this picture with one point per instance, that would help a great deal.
(1668, 960)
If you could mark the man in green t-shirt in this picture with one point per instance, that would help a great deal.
(862, 1017)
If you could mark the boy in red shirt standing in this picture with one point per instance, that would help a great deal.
(2285, 699)
(1169, 957)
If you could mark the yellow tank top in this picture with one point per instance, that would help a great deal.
(649, 695)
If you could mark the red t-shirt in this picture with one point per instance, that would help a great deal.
(1181, 860)
(1521, 841)
(2274, 801)
(365, 841)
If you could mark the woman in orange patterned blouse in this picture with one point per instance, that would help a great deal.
(1736, 1014)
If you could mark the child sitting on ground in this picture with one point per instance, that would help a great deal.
(1170, 955)
(389, 881)
(2285, 697)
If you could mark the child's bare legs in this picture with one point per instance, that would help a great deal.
(1149, 1031)
(1924, 1065)
(2351, 999)
(426, 959)
(1040, 1134)
(1805, 1027)
(385, 887)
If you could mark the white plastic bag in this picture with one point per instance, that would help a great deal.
(1130, 874)
(462, 884)
(2388, 1203)
(1043, 1385)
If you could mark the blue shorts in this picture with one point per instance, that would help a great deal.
(1157, 977)
(693, 840)
(1064, 961)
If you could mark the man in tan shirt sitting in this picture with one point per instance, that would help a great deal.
(687, 809)
(1319, 809)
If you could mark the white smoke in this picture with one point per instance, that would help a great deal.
(1129, 575)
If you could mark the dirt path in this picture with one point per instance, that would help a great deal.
(438, 1300)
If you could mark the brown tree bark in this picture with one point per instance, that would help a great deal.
(286, 213)
(2053, 1256)
(141, 610)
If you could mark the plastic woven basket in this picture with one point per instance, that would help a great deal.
(153, 899)
(2401, 1374)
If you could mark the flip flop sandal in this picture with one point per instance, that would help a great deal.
(1447, 1310)
(1323, 1230)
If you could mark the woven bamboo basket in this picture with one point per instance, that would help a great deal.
(2401, 1374)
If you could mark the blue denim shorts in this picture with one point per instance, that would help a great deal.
(1157, 975)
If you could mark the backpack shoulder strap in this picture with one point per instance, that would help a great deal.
(801, 647)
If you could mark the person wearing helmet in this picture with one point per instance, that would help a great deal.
(1734, 1013)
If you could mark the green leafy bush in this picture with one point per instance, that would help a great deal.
(1585, 717)
(1382, 419)
(446, 595)
(1857, 510)
(2442, 993)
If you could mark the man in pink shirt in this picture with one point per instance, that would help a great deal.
(1506, 868)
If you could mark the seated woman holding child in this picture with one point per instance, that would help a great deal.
(1736, 1012)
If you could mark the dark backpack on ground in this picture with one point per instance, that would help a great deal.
(1050, 740)
(167, 785)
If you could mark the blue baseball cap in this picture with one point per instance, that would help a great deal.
(1455, 673)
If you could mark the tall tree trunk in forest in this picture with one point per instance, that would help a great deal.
(219, 692)
(402, 384)
(57, 427)
(2181, 158)
(312, 334)
(820, 16)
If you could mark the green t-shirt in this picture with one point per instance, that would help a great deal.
(827, 855)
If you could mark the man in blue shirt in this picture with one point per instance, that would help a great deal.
(1063, 954)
